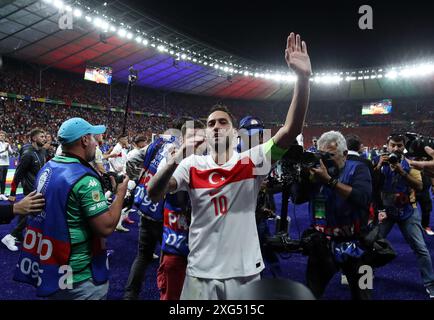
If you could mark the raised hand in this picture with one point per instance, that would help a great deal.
(296, 56)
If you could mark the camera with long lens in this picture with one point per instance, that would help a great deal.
(416, 144)
(394, 158)
(310, 238)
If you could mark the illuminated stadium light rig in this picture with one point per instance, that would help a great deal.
(105, 23)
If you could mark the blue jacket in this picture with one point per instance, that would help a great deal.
(343, 217)
(175, 226)
(154, 154)
(396, 185)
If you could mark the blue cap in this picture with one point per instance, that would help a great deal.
(252, 124)
(74, 128)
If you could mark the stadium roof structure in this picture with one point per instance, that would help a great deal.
(72, 34)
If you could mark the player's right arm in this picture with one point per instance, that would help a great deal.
(166, 179)
(163, 182)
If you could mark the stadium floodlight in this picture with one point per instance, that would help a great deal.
(129, 35)
(188, 58)
(194, 60)
(145, 42)
(160, 48)
(122, 33)
(58, 4)
(139, 39)
(88, 19)
(246, 73)
(48, 1)
(216, 66)
(183, 56)
(225, 69)
(290, 78)
(112, 28)
(153, 45)
(392, 74)
(68, 8)
(77, 13)
(172, 52)
(205, 63)
(97, 22)
(380, 76)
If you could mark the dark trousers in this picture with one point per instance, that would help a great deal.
(150, 232)
(22, 223)
(3, 174)
(270, 257)
(321, 267)
(426, 208)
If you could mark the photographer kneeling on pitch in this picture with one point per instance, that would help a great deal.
(339, 192)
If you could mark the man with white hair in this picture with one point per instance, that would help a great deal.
(338, 202)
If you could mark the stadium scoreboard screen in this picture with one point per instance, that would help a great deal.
(98, 74)
(380, 107)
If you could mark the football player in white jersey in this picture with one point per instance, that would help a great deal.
(223, 187)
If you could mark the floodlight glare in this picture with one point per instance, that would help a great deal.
(77, 13)
(58, 4)
(122, 33)
(392, 74)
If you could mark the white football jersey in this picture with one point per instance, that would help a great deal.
(223, 238)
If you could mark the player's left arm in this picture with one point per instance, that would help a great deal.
(298, 60)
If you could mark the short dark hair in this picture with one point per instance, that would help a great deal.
(396, 136)
(35, 132)
(353, 142)
(198, 124)
(221, 107)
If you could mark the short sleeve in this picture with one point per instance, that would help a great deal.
(90, 196)
(117, 149)
(182, 174)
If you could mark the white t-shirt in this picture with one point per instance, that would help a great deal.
(4, 156)
(223, 238)
(118, 164)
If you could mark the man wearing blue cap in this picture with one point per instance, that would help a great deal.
(65, 244)
(250, 128)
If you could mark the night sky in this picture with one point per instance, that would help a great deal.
(402, 31)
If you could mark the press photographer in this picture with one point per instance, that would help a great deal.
(339, 191)
(398, 202)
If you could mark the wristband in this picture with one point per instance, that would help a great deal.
(332, 183)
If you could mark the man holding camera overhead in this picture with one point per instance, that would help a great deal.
(398, 204)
